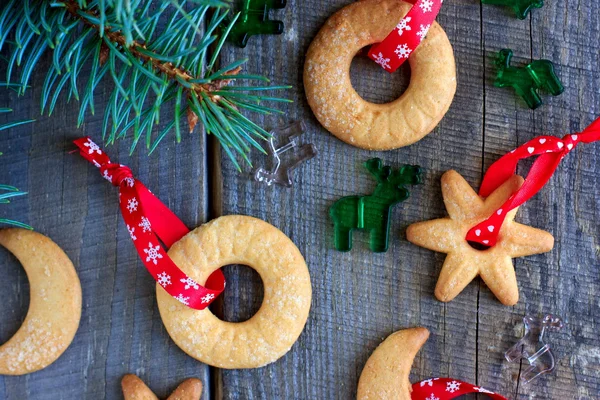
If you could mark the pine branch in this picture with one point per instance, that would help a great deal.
(10, 191)
(155, 53)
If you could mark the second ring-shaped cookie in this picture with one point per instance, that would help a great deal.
(360, 123)
(272, 331)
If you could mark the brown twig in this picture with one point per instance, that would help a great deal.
(166, 68)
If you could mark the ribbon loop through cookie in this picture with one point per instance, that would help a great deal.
(395, 49)
(550, 151)
(446, 389)
(150, 222)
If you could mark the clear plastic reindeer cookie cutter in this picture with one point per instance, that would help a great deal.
(285, 140)
(533, 348)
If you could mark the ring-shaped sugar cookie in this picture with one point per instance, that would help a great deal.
(272, 331)
(54, 305)
(341, 110)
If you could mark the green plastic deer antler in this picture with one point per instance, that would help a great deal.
(376, 168)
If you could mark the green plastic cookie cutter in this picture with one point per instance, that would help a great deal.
(254, 20)
(520, 7)
(372, 213)
(539, 74)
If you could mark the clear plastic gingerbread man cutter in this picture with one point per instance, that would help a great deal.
(533, 348)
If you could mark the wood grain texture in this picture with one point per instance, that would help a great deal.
(359, 297)
(121, 331)
(561, 281)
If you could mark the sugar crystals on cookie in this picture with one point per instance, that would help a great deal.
(464, 262)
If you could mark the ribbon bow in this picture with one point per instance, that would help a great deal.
(395, 49)
(148, 219)
(447, 389)
(551, 150)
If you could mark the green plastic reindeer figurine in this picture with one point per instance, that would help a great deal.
(520, 7)
(526, 80)
(372, 213)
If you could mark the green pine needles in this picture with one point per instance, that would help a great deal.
(8, 192)
(155, 51)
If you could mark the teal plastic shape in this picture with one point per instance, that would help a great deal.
(254, 20)
(520, 7)
(373, 213)
(539, 74)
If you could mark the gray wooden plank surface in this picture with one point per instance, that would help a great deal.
(508, 123)
(359, 297)
(121, 330)
(562, 281)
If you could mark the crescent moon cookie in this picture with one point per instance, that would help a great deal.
(464, 263)
(341, 110)
(135, 389)
(272, 331)
(54, 307)
(386, 373)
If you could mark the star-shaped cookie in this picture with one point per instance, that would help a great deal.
(135, 389)
(464, 263)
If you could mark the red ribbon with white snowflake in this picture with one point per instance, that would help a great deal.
(148, 219)
(551, 150)
(406, 36)
(446, 389)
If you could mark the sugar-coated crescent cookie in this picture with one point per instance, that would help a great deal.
(463, 263)
(385, 375)
(360, 123)
(135, 389)
(272, 331)
(54, 305)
